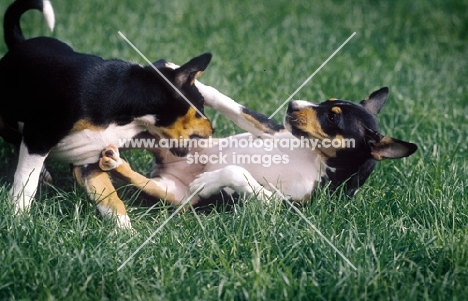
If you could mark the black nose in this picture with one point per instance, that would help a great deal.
(109, 153)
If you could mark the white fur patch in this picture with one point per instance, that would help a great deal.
(84, 147)
(301, 104)
(123, 221)
(26, 179)
(48, 12)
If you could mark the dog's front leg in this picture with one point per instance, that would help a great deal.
(255, 123)
(101, 190)
(26, 178)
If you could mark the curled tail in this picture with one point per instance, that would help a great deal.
(11, 23)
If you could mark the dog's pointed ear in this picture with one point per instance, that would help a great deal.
(391, 148)
(193, 69)
(376, 100)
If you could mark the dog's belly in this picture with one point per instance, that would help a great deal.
(179, 169)
(85, 146)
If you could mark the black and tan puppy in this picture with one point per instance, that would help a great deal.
(69, 105)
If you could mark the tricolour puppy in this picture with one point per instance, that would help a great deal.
(70, 105)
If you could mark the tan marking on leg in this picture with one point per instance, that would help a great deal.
(100, 189)
(256, 123)
(148, 186)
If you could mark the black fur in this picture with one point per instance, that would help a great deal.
(48, 86)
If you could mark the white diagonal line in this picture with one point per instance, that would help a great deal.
(313, 74)
(181, 206)
(313, 226)
(151, 64)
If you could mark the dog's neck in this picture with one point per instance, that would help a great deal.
(351, 169)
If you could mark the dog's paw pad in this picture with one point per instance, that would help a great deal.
(110, 158)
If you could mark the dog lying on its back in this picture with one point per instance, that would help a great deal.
(339, 145)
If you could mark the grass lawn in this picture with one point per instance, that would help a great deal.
(405, 231)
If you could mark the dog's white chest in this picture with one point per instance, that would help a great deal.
(84, 147)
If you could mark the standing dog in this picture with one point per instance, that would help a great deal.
(70, 105)
(334, 143)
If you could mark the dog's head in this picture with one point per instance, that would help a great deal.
(342, 127)
(347, 137)
(182, 115)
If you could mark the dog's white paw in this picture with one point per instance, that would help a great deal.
(110, 158)
(123, 222)
(123, 225)
(210, 181)
(21, 201)
(21, 204)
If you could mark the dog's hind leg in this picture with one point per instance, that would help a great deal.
(26, 178)
(170, 190)
(234, 177)
(100, 189)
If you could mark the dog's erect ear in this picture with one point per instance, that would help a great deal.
(376, 100)
(391, 148)
(190, 71)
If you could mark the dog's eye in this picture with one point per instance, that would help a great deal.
(333, 118)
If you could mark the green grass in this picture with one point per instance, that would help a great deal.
(405, 231)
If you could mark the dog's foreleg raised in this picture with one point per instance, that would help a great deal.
(26, 178)
(255, 123)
